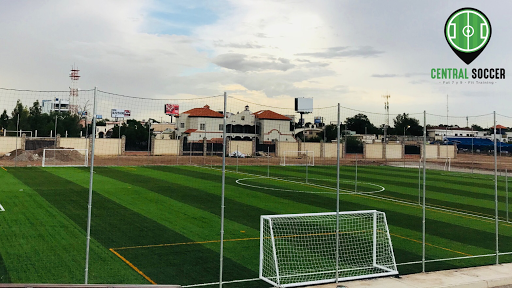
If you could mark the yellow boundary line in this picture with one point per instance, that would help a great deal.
(246, 239)
(4, 168)
(133, 266)
(432, 245)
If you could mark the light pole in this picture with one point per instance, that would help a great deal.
(405, 129)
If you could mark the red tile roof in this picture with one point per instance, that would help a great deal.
(203, 112)
(499, 127)
(190, 131)
(271, 115)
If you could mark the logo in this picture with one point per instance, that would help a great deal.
(468, 32)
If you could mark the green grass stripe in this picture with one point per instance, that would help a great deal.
(39, 244)
(247, 195)
(443, 229)
(192, 170)
(195, 224)
(242, 213)
(113, 225)
(4, 274)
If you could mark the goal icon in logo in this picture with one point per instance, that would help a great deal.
(468, 32)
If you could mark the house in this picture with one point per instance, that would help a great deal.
(265, 125)
(198, 123)
(272, 126)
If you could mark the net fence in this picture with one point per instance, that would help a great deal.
(157, 184)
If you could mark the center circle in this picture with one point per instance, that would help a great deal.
(322, 189)
(468, 31)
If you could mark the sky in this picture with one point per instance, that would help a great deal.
(347, 52)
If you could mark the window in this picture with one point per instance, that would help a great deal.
(243, 118)
(182, 125)
(202, 126)
(221, 126)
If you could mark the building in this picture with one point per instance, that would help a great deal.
(198, 123)
(58, 104)
(265, 125)
(272, 126)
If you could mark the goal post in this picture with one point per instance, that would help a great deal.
(298, 158)
(65, 157)
(301, 249)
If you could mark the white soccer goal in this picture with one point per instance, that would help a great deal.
(298, 158)
(65, 158)
(300, 249)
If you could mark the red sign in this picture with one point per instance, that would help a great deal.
(127, 113)
(172, 109)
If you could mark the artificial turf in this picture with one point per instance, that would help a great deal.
(165, 220)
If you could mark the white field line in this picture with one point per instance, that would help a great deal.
(381, 198)
(1, 208)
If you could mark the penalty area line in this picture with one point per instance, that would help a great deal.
(2, 208)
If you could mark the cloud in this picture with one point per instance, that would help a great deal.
(385, 75)
(244, 63)
(246, 45)
(344, 51)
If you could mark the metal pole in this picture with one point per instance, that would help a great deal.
(419, 182)
(506, 191)
(149, 140)
(307, 166)
(424, 188)
(89, 206)
(222, 198)
(338, 197)
(496, 192)
(237, 158)
(17, 129)
(211, 165)
(356, 176)
(119, 148)
(268, 161)
(190, 152)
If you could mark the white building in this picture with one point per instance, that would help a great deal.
(198, 123)
(264, 125)
(56, 104)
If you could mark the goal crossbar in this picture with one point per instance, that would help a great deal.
(79, 162)
(305, 158)
(300, 249)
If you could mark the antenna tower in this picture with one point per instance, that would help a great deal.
(73, 90)
(386, 108)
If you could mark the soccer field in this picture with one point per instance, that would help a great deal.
(161, 224)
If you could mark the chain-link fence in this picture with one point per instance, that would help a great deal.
(171, 191)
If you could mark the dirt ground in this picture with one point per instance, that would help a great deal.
(468, 161)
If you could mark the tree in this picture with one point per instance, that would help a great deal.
(410, 125)
(361, 124)
(476, 127)
(23, 114)
(4, 120)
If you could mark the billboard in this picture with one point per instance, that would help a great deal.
(319, 119)
(119, 113)
(172, 109)
(304, 105)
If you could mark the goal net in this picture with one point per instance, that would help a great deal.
(300, 249)
(65, 157)
(298, 158)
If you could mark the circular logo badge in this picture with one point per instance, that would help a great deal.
(468, 30)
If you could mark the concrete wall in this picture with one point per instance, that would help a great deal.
(394, 151)
(76, 143)
(286, 146)
(8, 144)
(330, 150)
(315, 147)
(244, 147)
(107, 147)
(373, 151)
(446, 151)
(431, 151)
(166, 147)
